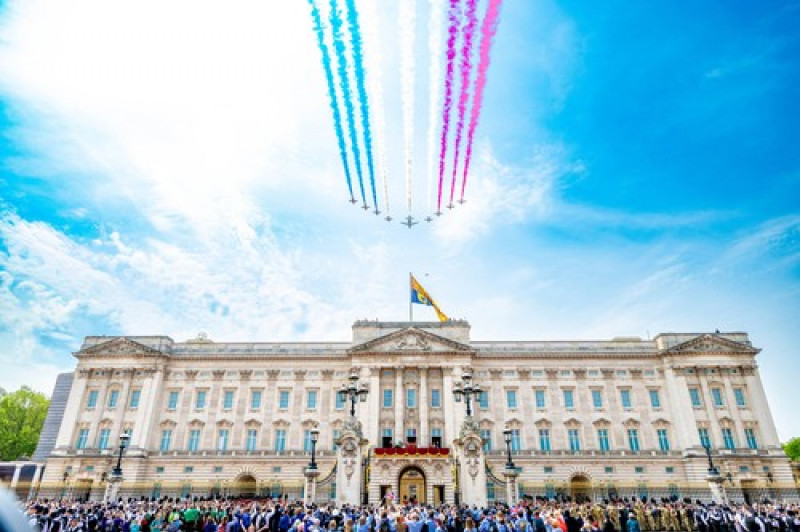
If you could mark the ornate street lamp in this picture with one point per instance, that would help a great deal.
(712, 469)
(466, 389)
(351, 390)
(116, 473)
(314, 439)
(509, 462)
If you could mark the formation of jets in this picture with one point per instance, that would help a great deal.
(409, 220)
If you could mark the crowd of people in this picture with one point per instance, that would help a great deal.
(243, 515)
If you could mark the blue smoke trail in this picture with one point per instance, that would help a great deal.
(358, 67)
(337, 117)
(339, 46)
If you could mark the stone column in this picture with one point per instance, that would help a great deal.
(349, 473)
(424, 408)
(72, 410)
(678, 404)
(758, 399)
(147, 412)
(310, 491)
(15, 478)
(270, 406)
(37, 477)
(374, 400)
(451, 418)
(512, 488)
(399, 400)
(472, 465)
(122, 404)
(711, 410)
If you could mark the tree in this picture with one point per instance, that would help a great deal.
(22, 415)
(792, 448)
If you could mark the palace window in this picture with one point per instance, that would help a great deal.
(548, 470)
(483, 399)
(280, 440)
(727, 439)
(283, 399)
(222, 440)
(574, 440)
(669, 470)
(663, 439)
(486, 436)
(340, 400)
(694, 395)
(255, 399)
(411, 436)
(92, 401)
(411, 398)
(436, 437)
(194, 440)
(227, 402)
(172, 402)
(252, 439)
(135, 396)
(306, 441)
(311, 400)
(387, 398)
(516, 441)
(544, 439)
(750, 436)
(738, 393)
(200, 400)
(336, 434)
(609, 469)
(716, 395)
(113, 398)
(625, 398)
(102, 441)
(166, 439)
(597, 398)
(602, 439)
(705, 440)
(569, 400)
(511, 398)
(83, 437)
(386, 438)
(436, 398)
(633, 439)
(540, 399)
(655, 399)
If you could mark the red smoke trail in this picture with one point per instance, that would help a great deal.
(488, 30)
(466, 70)
(448, 92)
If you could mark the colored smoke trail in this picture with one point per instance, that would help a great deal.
(334, 101)
(466, 71)
(339, 46)
(452, 31)
(408, 10)
(488, 30)
(358, 69)
(372, 59)
(434, 82)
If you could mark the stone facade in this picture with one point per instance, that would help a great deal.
(587, 418)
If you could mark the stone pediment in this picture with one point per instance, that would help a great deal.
(120, 346)
(711, 343)
(411, 340)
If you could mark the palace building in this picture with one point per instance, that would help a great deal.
(623, 417)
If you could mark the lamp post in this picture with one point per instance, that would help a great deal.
(712, 469)
(507, 436)
(351, 390)
(466, 389)
(115, 478)
(312, 471)
(314, 438)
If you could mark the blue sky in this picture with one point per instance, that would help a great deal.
(167, 169)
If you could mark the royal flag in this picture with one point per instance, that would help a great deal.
(420, 296)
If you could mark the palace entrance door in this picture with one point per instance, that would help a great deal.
(412, 485)
(580, 488)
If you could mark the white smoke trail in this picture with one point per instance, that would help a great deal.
(408, 9)
(435, 54)
(372, 59)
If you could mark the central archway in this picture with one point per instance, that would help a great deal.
(412, 485)
(580, 488)
(244, 486)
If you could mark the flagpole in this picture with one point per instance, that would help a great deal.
(410, 302)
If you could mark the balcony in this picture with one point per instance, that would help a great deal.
(421, 452)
